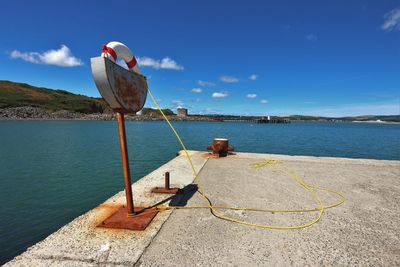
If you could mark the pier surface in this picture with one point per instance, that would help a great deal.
(364, 231)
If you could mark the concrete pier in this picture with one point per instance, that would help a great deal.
(364, 231)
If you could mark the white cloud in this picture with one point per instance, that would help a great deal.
(253, 77)
(197, 90)
(61, 57)
(178, 103)
(219, 94)
(165, 63)
(392, 20)
(264, 101)
(312, 37)
(251, 95)
(205, 83)
(228, 79)
(210, 111)
(358, 109)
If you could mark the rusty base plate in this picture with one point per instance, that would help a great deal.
(163, 190)
(216, 156)
(138, 222)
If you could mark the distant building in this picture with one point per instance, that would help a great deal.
(140, 112)
(182, 112)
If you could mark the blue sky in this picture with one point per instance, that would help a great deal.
(330, 58)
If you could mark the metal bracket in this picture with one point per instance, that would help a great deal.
(166, 189)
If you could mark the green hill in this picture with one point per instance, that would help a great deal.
(155, 112)
(14, 94)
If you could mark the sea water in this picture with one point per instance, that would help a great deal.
(53, 171)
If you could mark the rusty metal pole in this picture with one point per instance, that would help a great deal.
(125, 163)
(167, 186)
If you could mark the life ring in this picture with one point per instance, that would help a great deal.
(114, 50)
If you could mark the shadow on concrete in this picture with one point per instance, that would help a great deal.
(181, 199)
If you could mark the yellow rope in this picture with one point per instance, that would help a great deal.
(268, 162)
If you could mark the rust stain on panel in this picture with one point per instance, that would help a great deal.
(127, 92)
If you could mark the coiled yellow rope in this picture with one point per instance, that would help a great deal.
(266, 163)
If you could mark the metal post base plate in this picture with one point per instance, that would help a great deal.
(163, 190)
(137, 222)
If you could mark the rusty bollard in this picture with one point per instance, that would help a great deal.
(220, 147)
(166, 189)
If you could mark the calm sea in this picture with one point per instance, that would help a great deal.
(53, 171)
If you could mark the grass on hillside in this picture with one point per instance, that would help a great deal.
(21, 94)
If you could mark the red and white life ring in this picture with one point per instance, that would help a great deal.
(114, 50)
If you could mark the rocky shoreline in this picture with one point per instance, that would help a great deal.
(34, 113)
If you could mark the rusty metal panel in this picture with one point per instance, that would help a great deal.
(124, 90)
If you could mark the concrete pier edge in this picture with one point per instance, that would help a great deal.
(363, 231)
